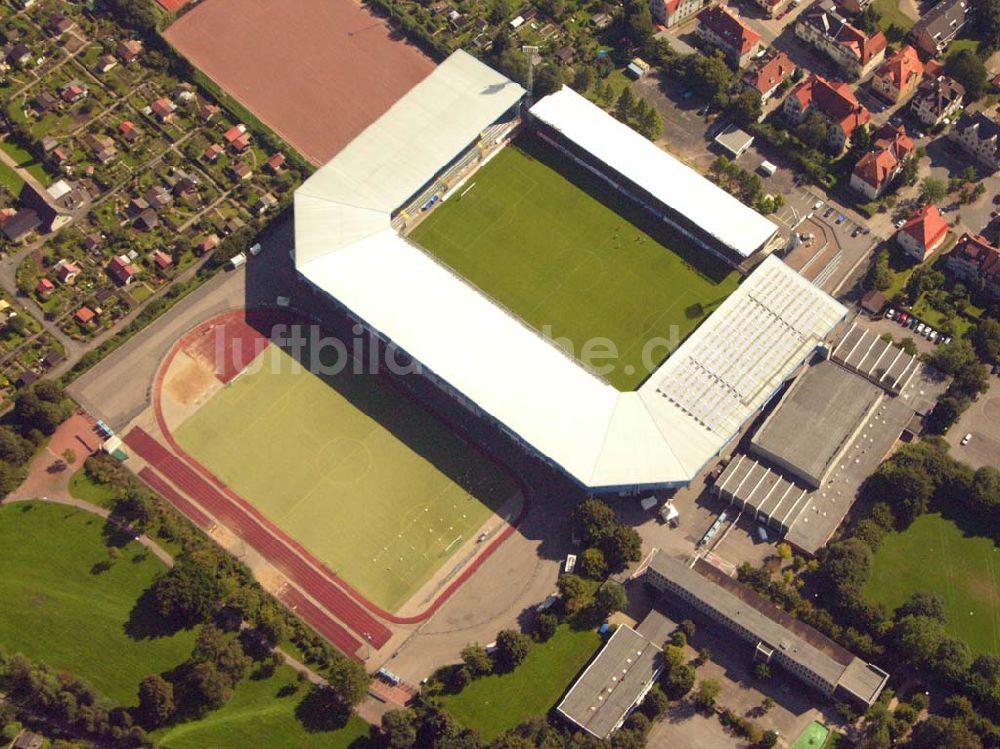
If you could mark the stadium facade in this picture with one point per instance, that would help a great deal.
(348, 221)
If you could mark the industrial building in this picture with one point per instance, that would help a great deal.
(775, 636)
(829, 431)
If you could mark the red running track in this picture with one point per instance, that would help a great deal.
(165, 490)
(270, 543)
(315, 618)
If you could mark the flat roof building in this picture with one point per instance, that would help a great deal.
(734, 141)
(617, 680)
(815, 421)
(775, 636)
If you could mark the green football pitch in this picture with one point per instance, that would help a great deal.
(934, 554)
(354, 470)
(575, 260)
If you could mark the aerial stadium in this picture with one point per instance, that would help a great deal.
(388, 231)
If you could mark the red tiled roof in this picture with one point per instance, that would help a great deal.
(121, 269)
(233, 133)
(926, 226)
(44, 286)
(836, 101)
(976, 250)
(877, 167)
(162, 259)
(771, 73)
(727, 25)
(85, 315)
(902, 67)
(276, 161)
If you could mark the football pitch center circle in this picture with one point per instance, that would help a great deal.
(360, 464)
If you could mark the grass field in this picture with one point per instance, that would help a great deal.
(354, 470)
(25, 160)
(891, 15)
(568, 254)
(934, 554)
(56, 608)
(81, 487)
(813, 737)
(496, 703)
(261, 715)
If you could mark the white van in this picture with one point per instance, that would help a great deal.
(648, 503)
(237, 260)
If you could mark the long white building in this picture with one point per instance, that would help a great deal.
(660, 435)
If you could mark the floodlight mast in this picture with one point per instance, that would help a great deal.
(530, 50)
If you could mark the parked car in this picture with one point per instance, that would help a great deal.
(967, 439)
(920, 328)
(890, 314)
(903, 317)
(933, 336)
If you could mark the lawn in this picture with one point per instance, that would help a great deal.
(573, 258)
(262, 715)
(496, 703)
(59, 608)
(81, 487)
(25, 160)
(813, 737)
(891, 15)
(10, 180)
(357, 472)
(934, 554)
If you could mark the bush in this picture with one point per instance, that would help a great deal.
(512, 648)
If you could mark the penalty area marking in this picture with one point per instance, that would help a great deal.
(448, 547)
(467, 189)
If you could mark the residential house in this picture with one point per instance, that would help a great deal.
(770, 7)
(136, 206)
(129, 50)
(265, 203)
(21, 224)
(923, 233)
(976, 263)
(73, 92)
(66, 272)
(121, 270)
(855, 7)
(823, 26)
(162, 260)
(671, 13)
(59, 23)
(44, 103)
(601, 20)
(891, 148)
(29, 740)
(979, 136)
(939, 26)
(85, 315)
(106, 63)
(238, 138)
(129, 131)
(206, 245)
(92, 241)
(899, 76)
(207, 112)
(19, 54)
(44, 288)
(835, 102)
(720, 26)
(240, 170)
(147, 220)
(158, 197)
(213, 152)
(164, 109)
(59, 156)
(52, 358)
(102, 146)
(765, 77)
(936, 100)
(276, 162)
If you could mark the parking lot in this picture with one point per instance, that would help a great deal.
(982, 421)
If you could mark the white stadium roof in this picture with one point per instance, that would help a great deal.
(662, 434)
(738, 227)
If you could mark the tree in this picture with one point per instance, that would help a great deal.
(846, 569)
(707, 692)
(348, 680)
(656, 703)
(622, 547)
(709, 75)
(583, 79)
(932, 190)
(575, 591)
(761, 671)
(766, 705)
(477, 660)
(31, 411)
(679, 681)
(784, 551)
(190, 591)
(545, 626)
(548, 79)
(512, 648)
(745, 108)
(918, 638)
(399, 728)
(625, 105)
(591, 564)
(206, 688)
(156, 701)
(986, 340)
(13, 447)
(611, 597)
(648, 121)
(638, 23)
(923, 603)
(768, 740)
(986, 487)
(966, 68)
(945, 414)
(879, 275)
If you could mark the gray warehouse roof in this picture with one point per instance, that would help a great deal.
(882, 362)
(772, 626)
(613, 682)
(815, 420)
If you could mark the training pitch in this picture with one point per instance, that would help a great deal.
(364, 478)
(569, 255)
(934, 554)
